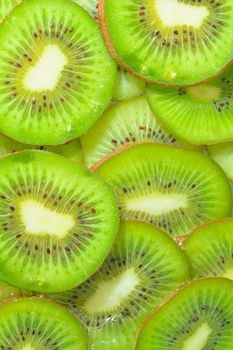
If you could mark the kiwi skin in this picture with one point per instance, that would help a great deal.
(118, 59)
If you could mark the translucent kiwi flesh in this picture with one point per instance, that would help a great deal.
(199, 317)
(6, 6)
(54, 216)
(167, 186)
(127, 86)
(210, 249)
(31, 323)
(125, 123)
(144, 267)
(223, 155)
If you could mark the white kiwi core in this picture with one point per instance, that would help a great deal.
(27, 347)
(46, 72)
(112, 292)
(174, 13)
(204, 92)
(199, 339)
(157, 203)
(42, 221)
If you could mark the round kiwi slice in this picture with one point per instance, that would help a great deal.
(56, 76)
(54, 216)
(144, 267)
(200, 114)
(223, 155)
(91, 6)
(31, 323)
(127, 86)
(71, 149)
(6, 6)
(169, 41)
(199, 317)
(7, 291)
(125, 123)
(173, 188)
(210, 249)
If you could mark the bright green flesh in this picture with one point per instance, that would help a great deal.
(153, 266)
(223, 155)
(210, 250)
(71, 150)
(125, 123)
(200, 317)
(7, 291)
(91, 6)
(201, 114)
(175, 189)
(6, 6)
(54, 216)
(127, 86)
(167, 52)
(52, 107)
(33, 324)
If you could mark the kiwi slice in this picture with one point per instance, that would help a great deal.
(31, 323)
(125, 123)
(173, 188)
(6, 6)
(56, 76)
(91, 6)
(200, 114)
(127, 86)
(210, 249)
(223, 155)
(169, 42)
(7, 291)
(199, 317)
(54, 216)
(144, 267)
(71, 149)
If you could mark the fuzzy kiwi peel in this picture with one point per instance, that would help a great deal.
(199, 316)
(166, 186)
(57, 215)
(144, 266)
(56, 75)
(163, 46)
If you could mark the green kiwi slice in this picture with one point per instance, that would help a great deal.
(125, 123)
(7, 291)
(199, 114)
(223, 155)
(91, 6)
(144, 267)
(56, 75)
(71, 149)
(127, 86)
(199, 317)
(173, 188)
(54, 216)
(210, 249)
(169, 42)
(31, 323)
(6, 6)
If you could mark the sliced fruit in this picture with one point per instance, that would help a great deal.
(127, 86)
(7, 291)
(200, 114)
(173, 188)
(144, 267)
(198, 317)
(125, 123)
(6, 6)
(54, 216)
(29, 324)
(223, 155)
(210, 249)
(56, 76)
(169, 42)
(91, 6)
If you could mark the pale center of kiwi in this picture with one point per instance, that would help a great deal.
(42, 221)
(204, 92)
(44, 75)
(199, 339)
(228, 274)
(175, 13)
(27, 347)
(111, 293)
(157, 203)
